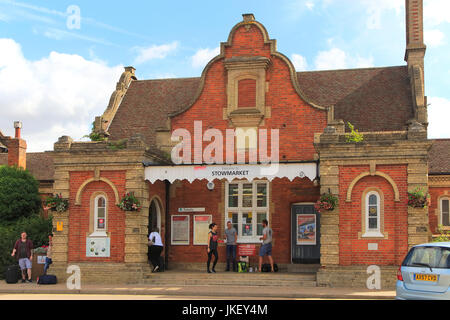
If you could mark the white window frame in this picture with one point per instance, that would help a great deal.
(372, 233)
(100, 232)
(254, 209)
(441, 222)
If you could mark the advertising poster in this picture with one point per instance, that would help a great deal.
(180, 230)
(306, 229)
(201, 229)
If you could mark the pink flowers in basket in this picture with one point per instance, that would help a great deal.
(129, 203)
(326, 202)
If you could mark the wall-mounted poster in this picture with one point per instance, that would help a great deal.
(180, 230)
(306, 229)
(201, 228)
(97, 247)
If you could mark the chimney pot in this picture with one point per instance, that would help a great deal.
(17, 126)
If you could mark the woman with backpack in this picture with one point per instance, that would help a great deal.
(213, 238)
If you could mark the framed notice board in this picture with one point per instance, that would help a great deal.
(180, 230)
(201, 228)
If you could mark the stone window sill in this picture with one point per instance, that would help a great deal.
(372, 235)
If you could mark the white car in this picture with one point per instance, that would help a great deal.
(425, 273)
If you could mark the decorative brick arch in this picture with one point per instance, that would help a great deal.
(377, 173)
(105, 180)
(159, 204)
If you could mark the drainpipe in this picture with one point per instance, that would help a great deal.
(167, 226)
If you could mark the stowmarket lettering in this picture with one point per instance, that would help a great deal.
(230, 172)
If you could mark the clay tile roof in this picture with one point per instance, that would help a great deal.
(146, 105)
(439, 157)
(372, 99)
(39, 164)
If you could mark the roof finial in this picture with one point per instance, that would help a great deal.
(248, 17)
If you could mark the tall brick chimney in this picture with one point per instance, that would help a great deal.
(17, 148)
(414, 56)
(415, 47)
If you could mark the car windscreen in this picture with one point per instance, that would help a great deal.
(434, 257)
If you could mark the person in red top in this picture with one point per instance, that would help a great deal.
(23, 250)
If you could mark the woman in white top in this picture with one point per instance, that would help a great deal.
(155, 249)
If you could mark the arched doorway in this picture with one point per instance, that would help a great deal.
(154, 216)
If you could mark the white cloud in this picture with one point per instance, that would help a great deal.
(436, 12)
(375, 10)
(59, 34)
(57, 95)
(360, 62)
(336, 58)
(203, 56)
(438, 115)
(331, 59)
(309, 4)
(299, 62)
(433, 38)
(154, 52)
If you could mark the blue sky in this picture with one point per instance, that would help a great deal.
(56, 78)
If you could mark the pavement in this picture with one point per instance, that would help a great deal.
(206, 292)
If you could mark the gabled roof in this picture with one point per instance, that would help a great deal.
(2, 142)
(374, 99)
(147, 104)
(39, 164)
(439, 157)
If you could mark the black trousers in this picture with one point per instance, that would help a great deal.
(154, 254)
(216, 257)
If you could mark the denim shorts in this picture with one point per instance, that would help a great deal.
(266, 249)
(24, 263)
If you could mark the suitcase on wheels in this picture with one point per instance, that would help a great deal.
(47, 279)
(12, 274)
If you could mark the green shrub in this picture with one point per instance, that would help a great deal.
(95, 136)
(19, 196)
(444, 236)
(354, 135)
(37, 229)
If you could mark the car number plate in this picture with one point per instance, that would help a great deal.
(425, 277)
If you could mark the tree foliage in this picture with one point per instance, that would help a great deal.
(19, 195)
(37, 229)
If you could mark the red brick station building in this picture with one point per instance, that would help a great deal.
(252, 85)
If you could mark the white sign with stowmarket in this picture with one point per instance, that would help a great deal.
(231, 172)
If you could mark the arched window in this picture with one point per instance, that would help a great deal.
(100, 216)
(372, 214)
(444, 212)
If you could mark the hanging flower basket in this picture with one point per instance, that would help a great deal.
(419, 198)
(129, 203)
(326, 202)
(57, 203)
(40, 250)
